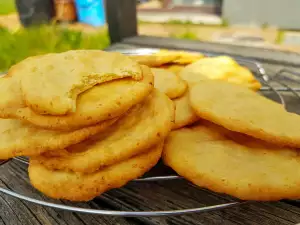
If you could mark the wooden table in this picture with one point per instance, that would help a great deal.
(156, 195)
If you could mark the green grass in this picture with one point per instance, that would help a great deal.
(7, 7)
(186, 35)
(280, 37)
(265, 26)
(225, 22)
(17, 46)
(184, 22)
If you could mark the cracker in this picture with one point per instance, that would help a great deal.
(84, 187)
(168, 83)
(143, 126)
(51, 83)
(245, 168)
(243, 110)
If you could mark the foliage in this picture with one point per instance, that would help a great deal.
(184, 22)
(265, 26)
(280, 37)
(17, 46)
(7, 7)
(225, 22)
(186, 35)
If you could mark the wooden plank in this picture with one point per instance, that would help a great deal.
(264, 55)
(168, 195)
(121, 19)
(15, 212)
(138, 196)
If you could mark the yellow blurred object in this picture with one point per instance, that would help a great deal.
(173, 68)
(219, 68)
(182, 58)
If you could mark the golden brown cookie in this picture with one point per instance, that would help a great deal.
(183, 57)
(219, 68)
(184, 113)
(11, 96)
(168, 83)
(142, 127)
(153, 60)
(101, 102)
(242, 110)
(173, 68)
(84, 187)
(245, 168)
(51, 83)
(20, 139)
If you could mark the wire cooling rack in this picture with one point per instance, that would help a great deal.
(274, 86)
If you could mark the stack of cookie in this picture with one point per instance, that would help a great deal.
(227, 137)
(91, 121)
(175, 72)
(244, 144)
(88, 120)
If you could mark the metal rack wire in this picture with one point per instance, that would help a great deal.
(275, 84)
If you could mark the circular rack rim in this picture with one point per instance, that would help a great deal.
(144, 51)
(121, 213)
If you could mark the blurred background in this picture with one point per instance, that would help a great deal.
(31, 27)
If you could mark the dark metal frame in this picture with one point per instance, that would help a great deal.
(121, 19)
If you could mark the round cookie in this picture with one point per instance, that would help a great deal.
(140, 128)
(219, 68)
(183, 58)
(242, 110)
(11, 96)
(101, 102)
(20, 139)
(173, 68)
(50, 83)
(84, 187)
(168, 83)
(245, 168)
(153, 60)
(184, 113)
